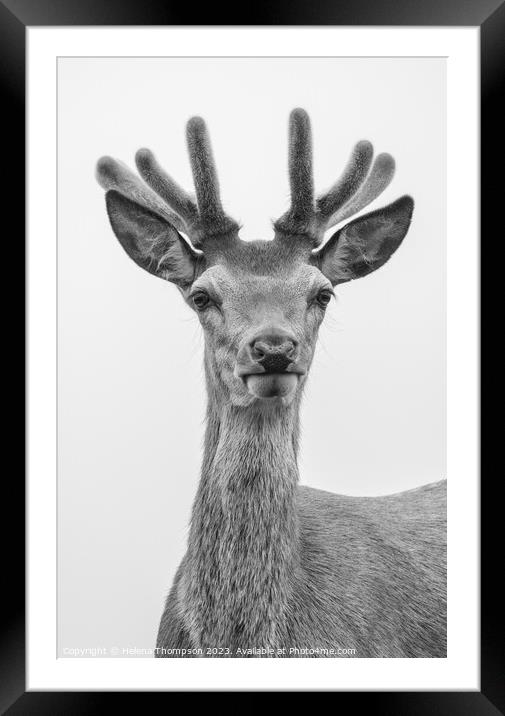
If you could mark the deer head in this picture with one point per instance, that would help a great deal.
(260, 303)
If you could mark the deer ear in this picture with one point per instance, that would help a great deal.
(365, 244)
(151, 241)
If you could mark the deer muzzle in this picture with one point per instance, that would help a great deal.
(268, 365)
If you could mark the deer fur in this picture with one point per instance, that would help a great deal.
(273, 568)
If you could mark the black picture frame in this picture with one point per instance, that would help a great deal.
(489, 15)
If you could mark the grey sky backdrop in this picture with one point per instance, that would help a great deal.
(131, 391)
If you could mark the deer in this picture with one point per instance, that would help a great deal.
(274, 568)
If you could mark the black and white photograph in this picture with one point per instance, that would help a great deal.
(253, 448)
(251, 357)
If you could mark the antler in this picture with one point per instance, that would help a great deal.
(199, 218)
(357, 187)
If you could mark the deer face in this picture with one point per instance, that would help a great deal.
(260, 303)
(260, 314)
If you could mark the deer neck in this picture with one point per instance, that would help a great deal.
(243, 546)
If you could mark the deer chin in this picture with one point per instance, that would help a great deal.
(268, 386)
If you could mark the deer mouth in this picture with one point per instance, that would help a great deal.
(271, 385)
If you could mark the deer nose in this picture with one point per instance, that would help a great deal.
(274, 352)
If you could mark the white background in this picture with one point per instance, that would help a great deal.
(461, 48)
(131, 395)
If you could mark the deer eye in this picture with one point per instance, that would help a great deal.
(324, 297)
(200, 300)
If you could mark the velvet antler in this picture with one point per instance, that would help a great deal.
(199, 218)
(357, 187)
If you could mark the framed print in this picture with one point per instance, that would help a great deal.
(253, 354)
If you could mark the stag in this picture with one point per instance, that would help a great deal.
(274, 568)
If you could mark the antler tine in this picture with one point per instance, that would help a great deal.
(378, 180)
(212, 217)
(348, 184)
(168, 189)
(300, 218)
(113, 174)
(300, 165)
